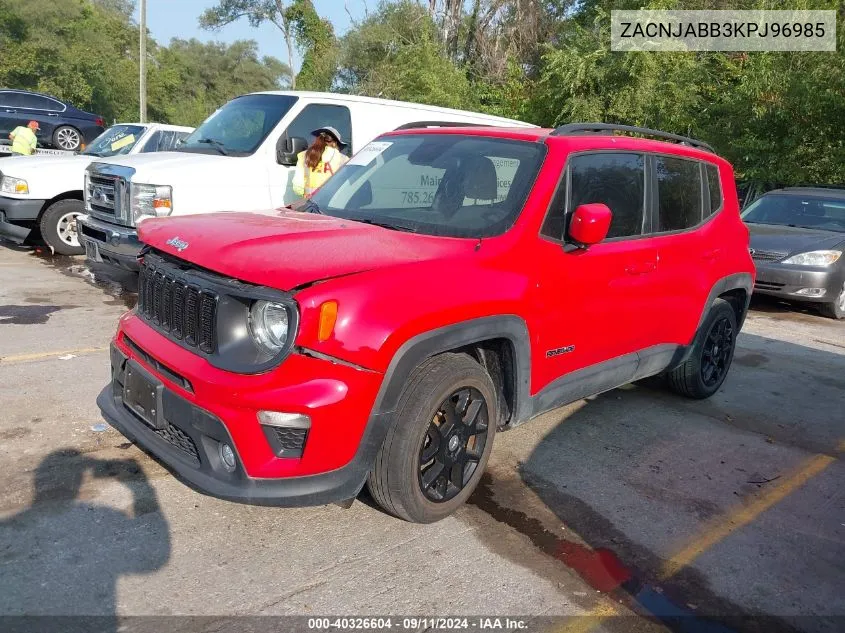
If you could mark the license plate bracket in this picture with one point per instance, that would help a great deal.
(142, 394)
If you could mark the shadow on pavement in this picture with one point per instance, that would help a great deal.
(64, 554)
(637, 474)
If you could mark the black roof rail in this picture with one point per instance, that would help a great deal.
(574, 129)
(424, 124)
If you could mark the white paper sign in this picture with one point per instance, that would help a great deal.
(369, 153)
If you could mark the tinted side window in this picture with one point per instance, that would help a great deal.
(715, 187)
(13, 99)
(315, 116)
(678, 193)
(38, 103)
(152, 144)
(5, 99)
(614, 179)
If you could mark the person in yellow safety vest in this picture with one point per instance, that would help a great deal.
(319, 162)
(23, 139)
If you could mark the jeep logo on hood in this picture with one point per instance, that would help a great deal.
(175, 242)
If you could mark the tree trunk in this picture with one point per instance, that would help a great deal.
(285, 26)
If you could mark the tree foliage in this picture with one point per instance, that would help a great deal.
(779, 117)
(86, 51)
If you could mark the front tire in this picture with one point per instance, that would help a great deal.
(438, 446)
(59, 228)
(67, 138)
(701, 375)
(836, 308)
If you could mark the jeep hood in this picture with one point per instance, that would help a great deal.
(287, 249)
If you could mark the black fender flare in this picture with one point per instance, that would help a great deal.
(734, 281)
(423, 346)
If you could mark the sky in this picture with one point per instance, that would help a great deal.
(180, 18)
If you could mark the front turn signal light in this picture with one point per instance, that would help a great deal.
(328, 317)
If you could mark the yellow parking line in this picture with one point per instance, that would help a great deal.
(718, 530)
(586, 623)
(25, 358)
(723, 526)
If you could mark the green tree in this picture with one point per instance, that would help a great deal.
(396, 53)
(191, 79)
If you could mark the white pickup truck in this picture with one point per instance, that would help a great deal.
(44, 192)
(241, 158)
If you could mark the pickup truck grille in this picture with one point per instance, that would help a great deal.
(175, 307)
(107, 193)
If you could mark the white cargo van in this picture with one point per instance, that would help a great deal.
(44, 192)
(240, 159)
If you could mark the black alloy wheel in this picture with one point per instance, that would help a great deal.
(453, 444)
(716, 355)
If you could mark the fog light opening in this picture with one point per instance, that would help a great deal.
(227, 457)
(811, 292)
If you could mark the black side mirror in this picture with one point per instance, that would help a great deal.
(288, 148)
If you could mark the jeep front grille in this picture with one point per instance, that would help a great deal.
(177, 308)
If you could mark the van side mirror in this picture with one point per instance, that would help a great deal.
(288, 148)
(590, 224)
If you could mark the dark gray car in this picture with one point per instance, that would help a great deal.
(797, 244)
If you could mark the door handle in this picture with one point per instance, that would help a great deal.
(52, 114)
(711, 254)
(641, 268)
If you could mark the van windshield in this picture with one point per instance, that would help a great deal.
(439, 184)
(115, 141)
(240, 126)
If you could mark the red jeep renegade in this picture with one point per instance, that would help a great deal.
(445, 284)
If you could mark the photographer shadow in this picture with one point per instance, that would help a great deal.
(63, 555)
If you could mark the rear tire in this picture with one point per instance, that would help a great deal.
(703, 373)
(835, 309)
(58, 226)
(438, 445)
(67, 138)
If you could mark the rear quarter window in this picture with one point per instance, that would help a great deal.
(714, 186)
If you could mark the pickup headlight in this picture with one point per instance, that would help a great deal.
(151, 201)
(13, 185)
(814, 258)
(269, 324)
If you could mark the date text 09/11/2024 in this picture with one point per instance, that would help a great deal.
(417, 623)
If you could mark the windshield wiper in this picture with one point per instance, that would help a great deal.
(215, 144)
(386, 225)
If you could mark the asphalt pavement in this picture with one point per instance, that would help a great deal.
(636, 510)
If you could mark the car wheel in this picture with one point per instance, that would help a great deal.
(67, 137)
(438, 446)
(701, 375)
(58, 226)
(835, 309)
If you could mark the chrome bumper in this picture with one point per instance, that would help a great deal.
(109, 243)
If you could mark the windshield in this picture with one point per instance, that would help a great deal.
(239, 127)
(809, 212)
(115, 141)
(438, 184)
